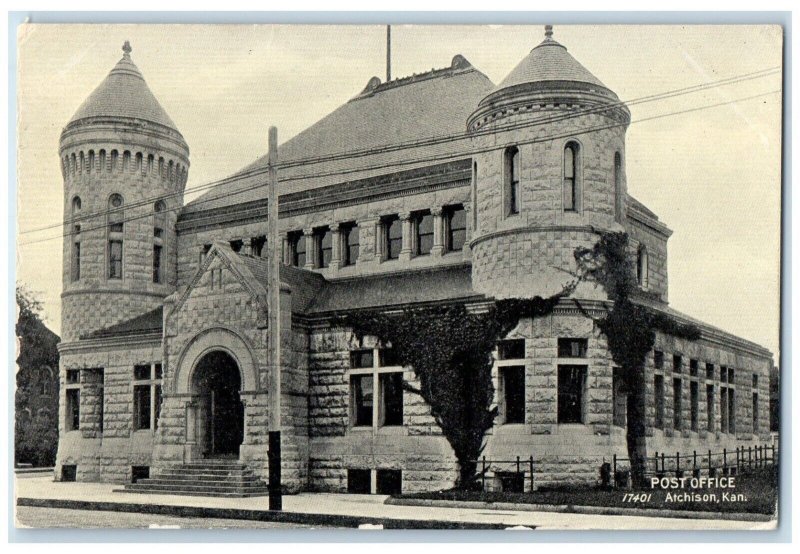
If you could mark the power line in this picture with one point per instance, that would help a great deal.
(419, 143)
(422, 160)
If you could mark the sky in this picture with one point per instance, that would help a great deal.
(712, 175)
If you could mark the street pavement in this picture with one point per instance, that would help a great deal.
(372, 506)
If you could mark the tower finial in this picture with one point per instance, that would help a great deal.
(126, 48)
(548, 32)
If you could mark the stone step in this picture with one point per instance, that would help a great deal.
(211, 480)
(193, 493)
(194, 472)
(172, 487)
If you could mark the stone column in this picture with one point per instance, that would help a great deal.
(336, 246)
(438, 232)
(247, 246)
(286, 255)
(406, 250)
(191, 422)
(308, 236)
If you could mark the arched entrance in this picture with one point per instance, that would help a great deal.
(216, 383)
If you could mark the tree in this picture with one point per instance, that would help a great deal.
(36, 397)
(630, 330)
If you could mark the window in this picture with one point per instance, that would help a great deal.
(474, 195)
(710, 372)
(677, 363)
(257, 245)
(73, 422)
(376, 388)
(139, 472)
(511, 481)
(157, 276)
(571, 388)
(658, 391)
(116, 218)
(73, 376)
(755, 412)
(512, 394)
(358, 481)
(723, 409)
(572, 348)
(512, 180)
(236, 245)
(393, 237)
(710, 407)
(731, 376)
(658, 359)
(76, 260)
(323, 243)
(362, 394)
(116, 215)
(388, 481)
(147, 379)
(350, 240)
(693, 368)
(677, 403)
(423, 233)
(297, 248)
(755, 381)
(723, 374)
(159, 224)
(391, 387)
(69, 473)
(694, 400)
(618, 187)
(115, 259)
(620, 399)
(511, 349)
(731, 410)
(456, 228)
(75, 267)
(571, 177)
(641, 266)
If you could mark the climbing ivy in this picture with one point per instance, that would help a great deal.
(450, 349)
(630, 329)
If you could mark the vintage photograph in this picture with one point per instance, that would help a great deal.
(398, 276)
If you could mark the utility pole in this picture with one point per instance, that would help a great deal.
(274, 329)
(388, 53)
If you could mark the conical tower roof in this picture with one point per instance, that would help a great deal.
(124, 94)
(547, 63)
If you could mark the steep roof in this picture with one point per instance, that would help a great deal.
(149, 322)
(383, 115)
(124, 94)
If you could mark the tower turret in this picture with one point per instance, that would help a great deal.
(549, 172)
(125, 166)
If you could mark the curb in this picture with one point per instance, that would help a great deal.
(329, 520)
(571, 509)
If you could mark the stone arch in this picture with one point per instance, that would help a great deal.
(208, 340)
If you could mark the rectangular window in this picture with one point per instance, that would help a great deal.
(710, 407)
(658, 359)
(101, 407)
(423, 231)
(362, 400)
(731, 376)
(512, 180)
(569, 178)
(677, 364)
(158, 233)
(76, 260)
(73, 422)
(693, 368)
(755, 381)
(141, 407)
(677, 404)
(156, 405)
(710, 372)
(393, 231)
(358, 481)
(731, 410)
(573, 348)
(658, 391)
(511, 481)
(297, 246)
(755, 412)
(512, 386)
(694, 399)
(157, 263)
(456, 221)
(323, 240)
(391, 388)
(571, 387)
(723, 409)
(115, 259)
(388, 481)
(69, 473)
(387, 357)
(139, 472)
(73, 376)
(350, 244)
(360, 359)
(619, 400)
(723, 374)
(512, 349)
(141, 372)
(257, 245)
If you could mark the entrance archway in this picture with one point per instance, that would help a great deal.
(216, 383)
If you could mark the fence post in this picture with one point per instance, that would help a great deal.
(677, 464)
(517, 464)
(724, 461)
(737, 459)
(773, 454)
(483, 475)
(663, 470)
(656, 459)
(531, 462)
(694, 462)
(710, 467)
(750, 456)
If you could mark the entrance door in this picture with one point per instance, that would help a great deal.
(217, 383)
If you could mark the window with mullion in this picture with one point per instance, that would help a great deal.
(423, 225)
(324, 247)
(456, 220)
(393, 229)
(350, 240)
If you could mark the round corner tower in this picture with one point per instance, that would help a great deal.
(125, 166)
(549, 170)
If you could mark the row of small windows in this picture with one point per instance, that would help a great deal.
(146, 384)
(571, 180)
(115, 232)
(86, 163)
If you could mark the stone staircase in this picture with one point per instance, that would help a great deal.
(222, 478)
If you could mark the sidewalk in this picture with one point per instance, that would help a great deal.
(341, 510)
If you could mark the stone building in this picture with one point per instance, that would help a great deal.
(433, 189)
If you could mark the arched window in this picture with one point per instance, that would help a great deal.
(618, 187)
(116, 223)
(75, 263)
(642, 266)
(159, 224)
(512, 180)
(571, 184)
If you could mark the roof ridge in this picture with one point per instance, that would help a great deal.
(458, 65)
